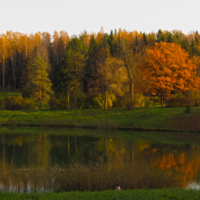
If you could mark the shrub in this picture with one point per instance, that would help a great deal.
(80, 100)
(118, 102)
(16, 103)
(193, 95)
(189, 98)
(88, 102)
(55, 103)
(60, 102)
(28, 104)
(99, 100)
(2, 104)
(13, 102)
(140, 100)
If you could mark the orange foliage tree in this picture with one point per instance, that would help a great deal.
(167, 68)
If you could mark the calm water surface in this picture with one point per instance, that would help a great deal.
(27, 148)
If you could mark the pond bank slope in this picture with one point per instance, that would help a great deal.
(169, 119)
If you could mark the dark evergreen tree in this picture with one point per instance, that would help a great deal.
(177, 37)
(90, 67)
(152, 39)
(72, 67)
(193, 48)
(160, 36)
(145, 38)
(25, 80)
(185, 44)
(111, 43)
(169, 37)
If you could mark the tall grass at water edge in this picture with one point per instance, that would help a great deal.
(92, 177)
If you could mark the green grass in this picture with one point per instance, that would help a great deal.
(143, 117)
(162, 118)
(144, 194)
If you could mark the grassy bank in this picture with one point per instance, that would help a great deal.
(153, 118)
(172, 194)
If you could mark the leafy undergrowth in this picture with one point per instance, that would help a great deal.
(156, 118)
(143, 194)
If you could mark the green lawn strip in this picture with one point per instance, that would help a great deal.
(140, 117)
(143, 194)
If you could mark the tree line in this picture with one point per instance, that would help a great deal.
(99, 68)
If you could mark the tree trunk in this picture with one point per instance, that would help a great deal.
(161, 100)
(106, 100)
(40, 104)
(3, 75)
(68, 102)
(40, 92)
(13, 69)
(131, 95)
(75, 103)
(131, 106)
(105, 143)
(14, 79)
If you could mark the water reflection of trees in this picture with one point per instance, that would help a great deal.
(24, 150)
(43, 150)
(183, 159)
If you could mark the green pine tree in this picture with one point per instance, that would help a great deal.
(90, 69)
(145, 39)
(38, 84)
(73, 65)
(25, 82)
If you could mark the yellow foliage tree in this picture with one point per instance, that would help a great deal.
(111, 74)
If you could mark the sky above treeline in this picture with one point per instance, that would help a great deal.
(75, 16)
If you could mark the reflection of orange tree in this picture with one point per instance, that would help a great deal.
(186, 165)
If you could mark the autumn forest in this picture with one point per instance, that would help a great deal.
(120, 69)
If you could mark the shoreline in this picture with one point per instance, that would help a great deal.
(116, 128)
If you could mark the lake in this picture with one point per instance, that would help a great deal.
(42, 148)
